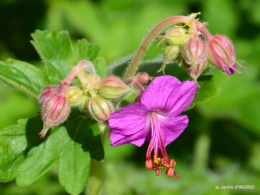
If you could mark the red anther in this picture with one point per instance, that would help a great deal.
(170, 172)
(172, 163)
(149, 164)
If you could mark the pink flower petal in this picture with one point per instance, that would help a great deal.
(172, 127)
(156, 94)
(137, 139)
(129, 125)
(181, 97)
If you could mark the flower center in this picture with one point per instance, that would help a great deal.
(157, 146)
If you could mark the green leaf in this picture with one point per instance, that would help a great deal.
(208, 88)
(56, 51)
(88, 51)
(42, 153)
(100, 66)
(12, 146)
(58, 55)
(25, 156)
(74, 164)
(85, 50)
(23, 77)
(149, 66)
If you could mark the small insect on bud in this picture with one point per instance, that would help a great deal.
(221, 53)
(194, 51)
(55, 110)
(100, 108)
(112, 87)
(47, 92)
(74, 95)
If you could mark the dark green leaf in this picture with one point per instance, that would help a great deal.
(207, 89)
(41, 154)
(56, 51)
(23, 76)
(74, 164)
(25, 156)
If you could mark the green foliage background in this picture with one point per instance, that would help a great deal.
(221, 145)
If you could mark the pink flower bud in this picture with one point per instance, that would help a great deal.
(195, 70)
(112, 87)
(143, 78)
(221, 53)
(100, 108)
(55, 110)
(47, 92)
(194, 51)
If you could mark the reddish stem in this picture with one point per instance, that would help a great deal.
(150, 37)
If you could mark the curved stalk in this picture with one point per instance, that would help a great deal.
(150, 37)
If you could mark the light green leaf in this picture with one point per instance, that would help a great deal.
(23, 77)
(100, 66)
(56, 51)
(86, 50)
(12, 146)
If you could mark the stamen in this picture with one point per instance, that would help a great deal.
(157, 140)
(149, 164)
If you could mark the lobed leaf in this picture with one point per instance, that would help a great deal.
(56, 51)
(23, 77)
(27, 157)
(86, 50)
(12, 147)
(74, 164)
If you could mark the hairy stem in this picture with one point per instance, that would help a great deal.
(150, 37)
(202, 28)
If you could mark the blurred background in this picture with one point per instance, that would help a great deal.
(221, 146)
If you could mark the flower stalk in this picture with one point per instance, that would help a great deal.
(152, 35)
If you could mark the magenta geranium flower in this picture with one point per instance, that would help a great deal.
(155, 119)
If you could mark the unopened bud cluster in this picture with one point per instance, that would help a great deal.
(194, 46)
(94, 95)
